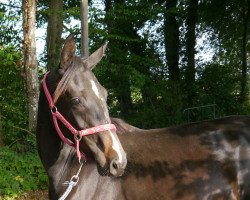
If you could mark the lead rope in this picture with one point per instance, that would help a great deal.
(72, 183)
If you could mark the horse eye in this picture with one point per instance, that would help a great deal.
(75, 101)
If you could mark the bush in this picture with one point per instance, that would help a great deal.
(13, 100)
(20, 173)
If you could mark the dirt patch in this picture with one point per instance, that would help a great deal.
(34, 195)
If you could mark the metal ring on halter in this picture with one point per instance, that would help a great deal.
(74, 179)
(54, 109)
(78, 136)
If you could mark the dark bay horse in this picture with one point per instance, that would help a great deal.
(77, 108)
(206, 160)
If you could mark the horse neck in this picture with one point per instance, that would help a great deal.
(65, 165)
(91, 184)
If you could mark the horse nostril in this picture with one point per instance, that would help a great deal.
(115, 166)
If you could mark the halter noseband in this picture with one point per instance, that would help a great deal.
(78, 134)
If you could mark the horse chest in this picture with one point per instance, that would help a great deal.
(92, 186)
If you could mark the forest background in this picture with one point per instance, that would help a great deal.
(168, 62)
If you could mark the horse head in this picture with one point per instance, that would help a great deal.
(81, 99)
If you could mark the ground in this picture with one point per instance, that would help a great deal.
(34, 195)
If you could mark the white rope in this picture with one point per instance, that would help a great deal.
(72, 183)
(66, 193)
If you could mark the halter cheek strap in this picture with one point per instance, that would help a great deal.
(78, 134)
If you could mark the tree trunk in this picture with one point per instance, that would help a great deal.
(1, 131)
(172, 46)
(246, 16)
(84, 29)
(54, 33)
(190, 50)
(172, 42)
(30, 62)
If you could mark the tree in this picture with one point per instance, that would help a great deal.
(54, 33)
(245, 13)
(172, 40)
(30, 62)
(145, 72)
(191, 21)
(229, 22)
(84, 29)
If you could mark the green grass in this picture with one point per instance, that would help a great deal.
(20, 173)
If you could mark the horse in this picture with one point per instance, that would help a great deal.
(89, 155)
(73, 119)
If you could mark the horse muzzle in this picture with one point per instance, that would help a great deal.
(117, 167)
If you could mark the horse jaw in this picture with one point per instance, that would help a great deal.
(111, 161)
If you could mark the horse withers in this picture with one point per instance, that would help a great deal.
(199, 161)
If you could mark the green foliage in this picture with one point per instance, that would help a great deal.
(10, 25)
(136, 69)
(13, 99)
(136, 72)
(220, 84)
(20, 173)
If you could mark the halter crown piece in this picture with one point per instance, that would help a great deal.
(78, 134)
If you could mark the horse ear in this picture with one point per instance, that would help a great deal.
(96, 57)
(68, 52)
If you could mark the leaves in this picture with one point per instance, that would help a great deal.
(13, 99)
(20, 172)
(10, 25)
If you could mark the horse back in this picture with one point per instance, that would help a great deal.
(207, 160)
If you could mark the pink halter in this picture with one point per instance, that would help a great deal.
(78, 134)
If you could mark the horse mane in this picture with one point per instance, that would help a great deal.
(123, 127)
(67, 75)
